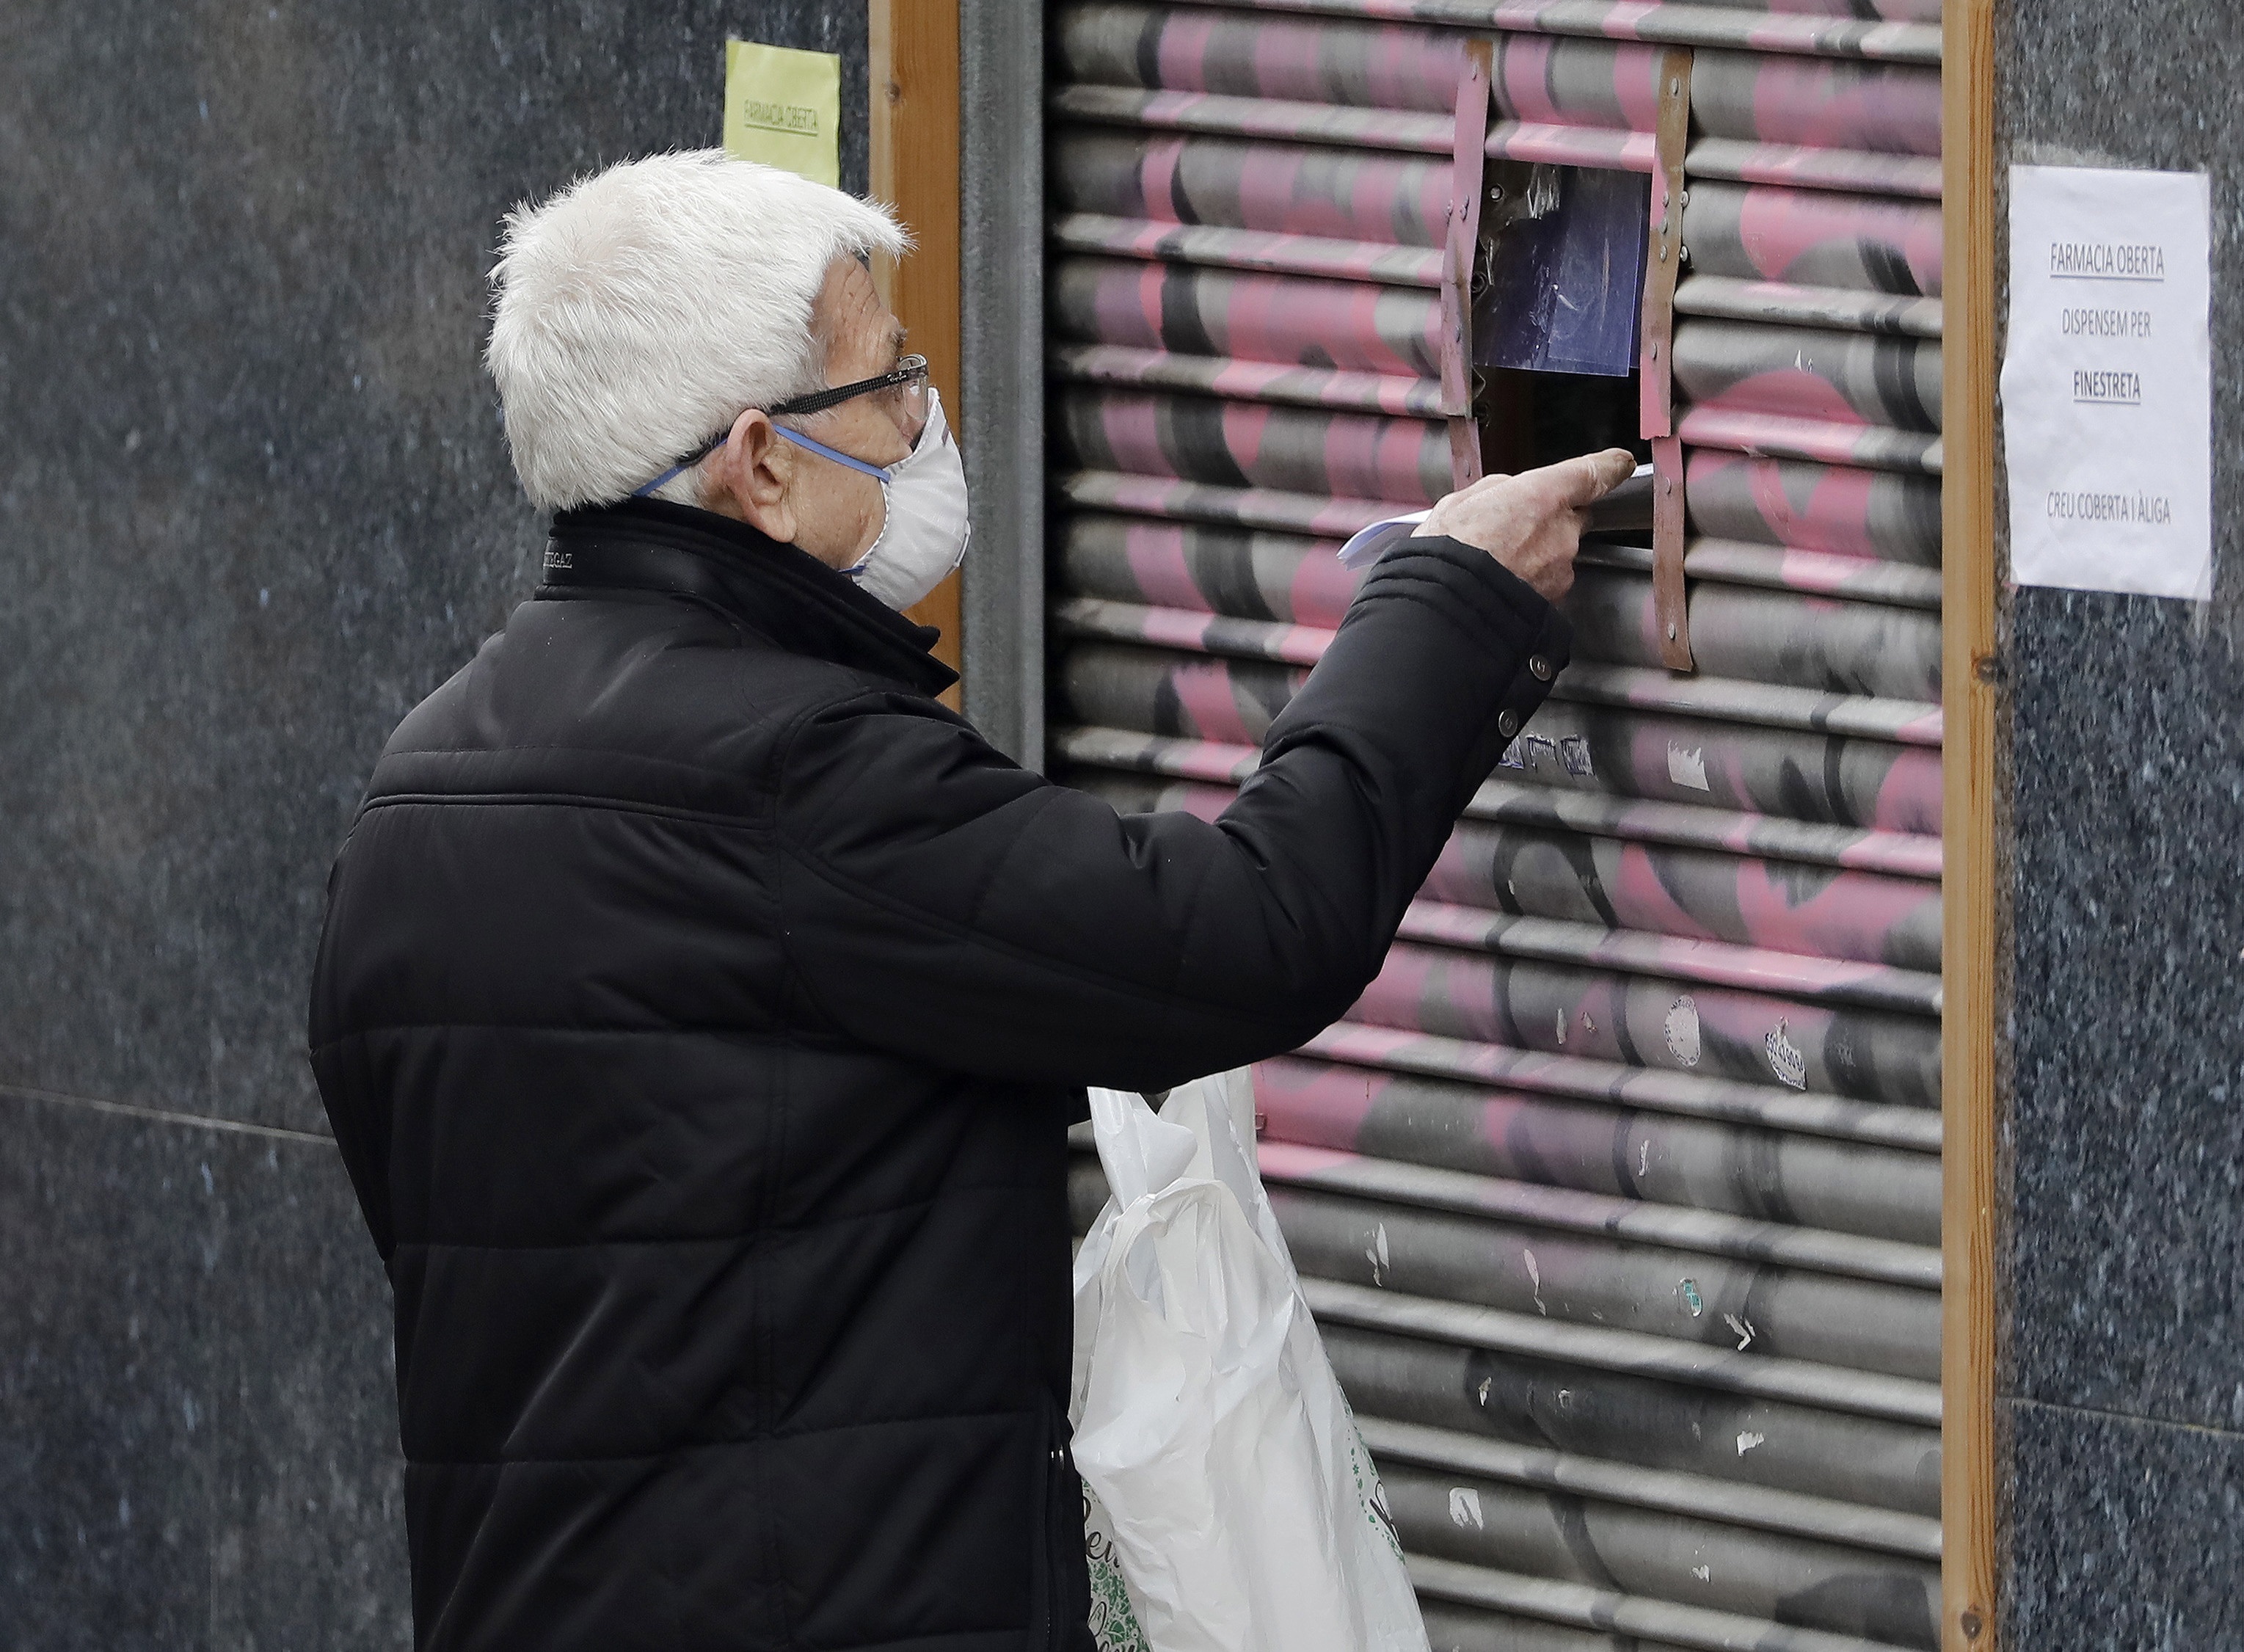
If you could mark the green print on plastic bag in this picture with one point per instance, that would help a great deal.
(1369, 1491)
(1113, 1622)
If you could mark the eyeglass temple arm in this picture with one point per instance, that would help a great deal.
(818, 401)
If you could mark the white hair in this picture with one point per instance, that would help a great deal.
(636, 312)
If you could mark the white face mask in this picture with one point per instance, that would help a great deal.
(924, 532)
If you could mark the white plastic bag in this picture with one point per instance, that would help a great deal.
(1222, 1465)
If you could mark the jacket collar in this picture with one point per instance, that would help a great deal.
(785, 595)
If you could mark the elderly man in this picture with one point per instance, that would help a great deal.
(702, 1006)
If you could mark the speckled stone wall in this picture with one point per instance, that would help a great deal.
(253, 505)
(2123, 1339)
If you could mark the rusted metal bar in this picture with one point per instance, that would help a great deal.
(1671, 138)
(1670, 595)
(1461, 256)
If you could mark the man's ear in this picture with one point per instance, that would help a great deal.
(751, 479)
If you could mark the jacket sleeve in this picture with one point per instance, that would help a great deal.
(941, 903)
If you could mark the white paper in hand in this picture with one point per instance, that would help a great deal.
(1625, 509)
(1221, 1460)
(1366, 546)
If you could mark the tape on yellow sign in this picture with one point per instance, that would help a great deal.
(784, 108)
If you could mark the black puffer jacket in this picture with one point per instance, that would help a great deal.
(702, 1009)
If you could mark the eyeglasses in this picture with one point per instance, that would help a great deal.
(904, 388)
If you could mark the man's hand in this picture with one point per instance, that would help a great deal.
(1532, 523)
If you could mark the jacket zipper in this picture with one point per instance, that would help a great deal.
(1045, 1633)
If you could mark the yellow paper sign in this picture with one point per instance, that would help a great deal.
(784, 108)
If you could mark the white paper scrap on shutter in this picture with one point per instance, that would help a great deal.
(2108, 398)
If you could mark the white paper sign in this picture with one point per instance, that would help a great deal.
(2107, 398)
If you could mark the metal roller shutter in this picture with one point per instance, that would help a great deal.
(1618, 1194)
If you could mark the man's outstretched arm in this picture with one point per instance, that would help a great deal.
(941, 903)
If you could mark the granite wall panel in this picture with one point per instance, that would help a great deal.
(201, 1448)
(254, 503)
(2127, 1534)
(2123, 1148)
(253, 498)
(2127, 1272)
(2125, 1260)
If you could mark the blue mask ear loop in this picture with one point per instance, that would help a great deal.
(819, 448)
(875, 471)
(682, 466)
(675, 469)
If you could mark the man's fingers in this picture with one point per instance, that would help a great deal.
(1579, 482)
(1486, 485)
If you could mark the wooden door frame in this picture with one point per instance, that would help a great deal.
(1970, 669)
(912, 105)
